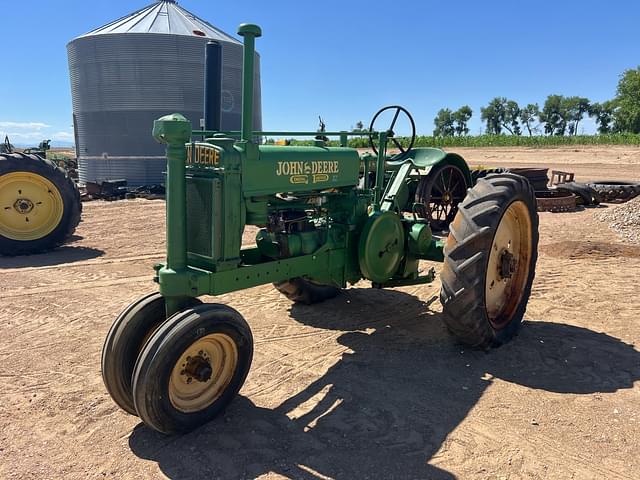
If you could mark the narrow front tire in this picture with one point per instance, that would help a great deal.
(192, 368)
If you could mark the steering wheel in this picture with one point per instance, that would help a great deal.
(390, 133)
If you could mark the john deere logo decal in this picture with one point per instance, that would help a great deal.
(202, 155)
(299, 172)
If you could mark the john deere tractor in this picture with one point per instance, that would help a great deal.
(328, 217)
(39, 204)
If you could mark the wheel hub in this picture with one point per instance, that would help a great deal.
(203, 372)
(31, 206)
(507, 264)
(198, 368)
(23, 205)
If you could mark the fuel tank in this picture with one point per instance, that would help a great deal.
(296, 169)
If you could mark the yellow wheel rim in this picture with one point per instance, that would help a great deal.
(31, 206)
(203, 373)
(508, 267)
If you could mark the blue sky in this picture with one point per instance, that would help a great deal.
(345, 59)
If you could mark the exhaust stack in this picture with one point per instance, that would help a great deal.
(250, 32)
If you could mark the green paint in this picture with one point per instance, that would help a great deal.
(317, 217)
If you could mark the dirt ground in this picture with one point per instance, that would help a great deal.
(589, 163)
(367, 385)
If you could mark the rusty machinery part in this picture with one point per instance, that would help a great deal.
(490, 259)
(556, 201)
(397, 110)
(192, 367)
(125, 340)
(439, 193)
(39, 204)
(537, 177)
(559, 177)
(478, 173)
(615, 192)
(301, 290)
(585, 195)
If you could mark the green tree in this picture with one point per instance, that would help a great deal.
(444, 123)
(511, 116)
(359, 126)
(563, 114)
(493, 115)
(627, 113)
(554, 116)
(501, 113)
(604, 115)
(575, 108)
(528, 116)
(461, 117)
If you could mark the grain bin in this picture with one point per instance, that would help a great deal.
(136, 69)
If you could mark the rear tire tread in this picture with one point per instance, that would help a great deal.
(466, 257)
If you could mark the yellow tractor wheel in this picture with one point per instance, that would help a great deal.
(39, 205)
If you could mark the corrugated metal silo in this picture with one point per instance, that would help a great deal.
(132, 71)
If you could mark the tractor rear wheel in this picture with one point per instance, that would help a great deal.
(440, 191)
(39, 205)
(301, 290)
(490, 260)
(192, 367)
(124, 342)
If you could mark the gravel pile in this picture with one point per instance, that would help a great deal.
(624, 219)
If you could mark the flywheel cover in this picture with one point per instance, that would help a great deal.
(381, 246)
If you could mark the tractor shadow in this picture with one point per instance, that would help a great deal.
(385, 408)
(63, 254)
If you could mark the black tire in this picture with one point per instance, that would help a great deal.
(586, 195)
(477, 174)
(610, 191)
(124, 343)
(467, 254)
(301, 290)
(152, 375)
(72, 207)
(537, 177)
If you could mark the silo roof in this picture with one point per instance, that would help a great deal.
(164, 16)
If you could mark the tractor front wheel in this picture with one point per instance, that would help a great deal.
(124, 342)
(301, 290)
(192, 367)
(490, 260)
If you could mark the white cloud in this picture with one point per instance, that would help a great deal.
(63, 136)
(24, 136)
(24, 125)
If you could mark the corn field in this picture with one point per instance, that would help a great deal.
(502, 141)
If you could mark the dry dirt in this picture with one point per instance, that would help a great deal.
(590, 163)
(368, 385)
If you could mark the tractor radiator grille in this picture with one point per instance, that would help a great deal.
(203, 200)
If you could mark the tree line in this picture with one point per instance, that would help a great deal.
(558, 116)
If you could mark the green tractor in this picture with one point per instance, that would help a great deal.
(328, 217)
(39, 204)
